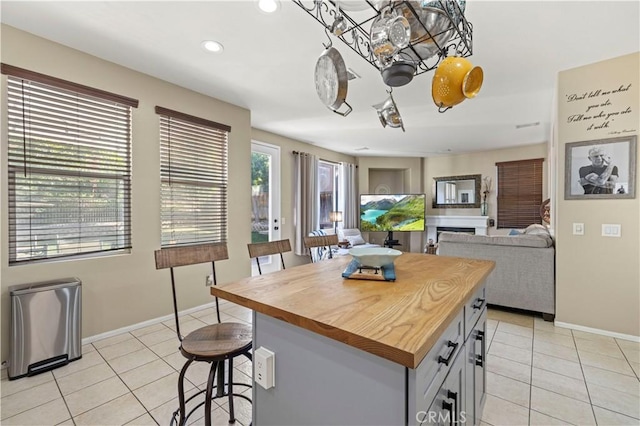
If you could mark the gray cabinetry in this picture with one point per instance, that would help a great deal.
(447, 407)
(451, 380)
(324, 382)
(475, 370)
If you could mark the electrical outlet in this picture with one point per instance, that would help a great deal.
(264, 364)
(208, 281)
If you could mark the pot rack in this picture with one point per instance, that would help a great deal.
(356, 35)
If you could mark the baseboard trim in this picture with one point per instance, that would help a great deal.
(143, 324)
(597, 331)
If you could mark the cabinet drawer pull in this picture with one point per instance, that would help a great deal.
(447, 360)
(479, 304)
(479, 358)
(449, 407)
(454, 396)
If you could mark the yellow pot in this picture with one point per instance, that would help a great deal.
(455, 80)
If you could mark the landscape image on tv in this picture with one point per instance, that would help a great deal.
(403, 212)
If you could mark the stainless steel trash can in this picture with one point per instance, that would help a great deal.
(46, 321)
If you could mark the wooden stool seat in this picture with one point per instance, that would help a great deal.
(217, 341)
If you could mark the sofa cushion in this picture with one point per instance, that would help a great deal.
(352, 235)
(525, 240)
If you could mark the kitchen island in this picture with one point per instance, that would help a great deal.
(369, 352)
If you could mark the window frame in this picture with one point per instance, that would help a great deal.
(47, 119)
(200, 190)
(335, 194)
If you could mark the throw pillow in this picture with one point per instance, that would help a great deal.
(515, 232)
(536, 229)
(355, 240)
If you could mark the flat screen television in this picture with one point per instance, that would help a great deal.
(391, 213)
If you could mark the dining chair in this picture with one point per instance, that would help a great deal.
(214, 343)
(267, 249)
(320, 242)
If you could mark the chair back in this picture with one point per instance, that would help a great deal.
(173, 257)
(320, 242)
(268, 248)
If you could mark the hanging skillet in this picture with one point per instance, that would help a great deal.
(332, 80)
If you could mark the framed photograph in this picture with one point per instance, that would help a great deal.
(604, 168)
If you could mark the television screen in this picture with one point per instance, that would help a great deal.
(401, 212)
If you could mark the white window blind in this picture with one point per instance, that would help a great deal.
(194, 175)
(69, 168)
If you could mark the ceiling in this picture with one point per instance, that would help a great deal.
(268, 65)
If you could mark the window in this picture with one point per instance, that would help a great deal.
(328, 192)
(519, 193)
(69, 168)
(193, 171)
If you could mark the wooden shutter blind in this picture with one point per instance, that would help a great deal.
(519, 193)
(69, 168)
(194, 176)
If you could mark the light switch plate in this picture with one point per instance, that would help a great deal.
(611, 230)
(578, 229)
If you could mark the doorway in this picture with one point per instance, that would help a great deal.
(265, 201)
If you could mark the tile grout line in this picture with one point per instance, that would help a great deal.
(627, 359)
(62, 395)
(44, 403)
(584, 377)
(119, 378)
(533, 336)
(114, 372)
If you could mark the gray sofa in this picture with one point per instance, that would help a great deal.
(525, 266)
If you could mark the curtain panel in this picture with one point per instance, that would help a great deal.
(349, 189)
(305, 212)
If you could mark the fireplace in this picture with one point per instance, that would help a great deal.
(469, 224)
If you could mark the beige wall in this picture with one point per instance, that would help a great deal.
(371, 172)
(598, 278)
(121, 290)
(126, 289)
(287, 180)
(482, 163)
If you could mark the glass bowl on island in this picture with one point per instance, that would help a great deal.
(374, 257)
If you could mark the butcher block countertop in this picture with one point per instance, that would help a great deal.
(399, 321)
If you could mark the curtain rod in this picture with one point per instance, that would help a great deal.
(321, 159)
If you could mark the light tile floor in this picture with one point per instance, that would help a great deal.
(538, 374)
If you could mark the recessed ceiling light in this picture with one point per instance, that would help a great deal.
(269, 6)
(212, 46)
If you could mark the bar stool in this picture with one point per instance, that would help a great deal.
(268, 248)
(320, 243)
(214, 343)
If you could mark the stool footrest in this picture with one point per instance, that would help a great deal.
(176, 414)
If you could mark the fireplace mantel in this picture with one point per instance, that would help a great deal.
(479, 223)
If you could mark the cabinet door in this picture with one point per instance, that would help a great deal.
(480, 370)
(448, 409)
(455, 389)
(475, 370)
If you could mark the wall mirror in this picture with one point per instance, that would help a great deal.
(457, 192)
